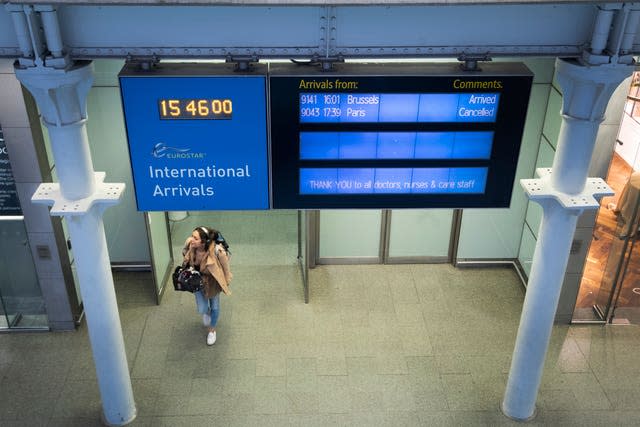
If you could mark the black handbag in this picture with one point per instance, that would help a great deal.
(186, 279)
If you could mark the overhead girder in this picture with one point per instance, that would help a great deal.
(306, 31)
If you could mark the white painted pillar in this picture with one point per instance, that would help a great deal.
(81, 197)
(563, 191)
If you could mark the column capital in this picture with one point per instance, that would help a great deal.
(61, 94)
(586, 89)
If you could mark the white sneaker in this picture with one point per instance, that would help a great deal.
(211, 338)
(206, 319)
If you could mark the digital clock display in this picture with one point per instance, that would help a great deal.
(203, 109)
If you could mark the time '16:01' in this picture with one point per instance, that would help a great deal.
(212, 109)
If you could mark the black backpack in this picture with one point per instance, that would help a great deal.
(220, 240)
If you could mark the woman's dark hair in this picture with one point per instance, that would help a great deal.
(205, 235)
(208, 235)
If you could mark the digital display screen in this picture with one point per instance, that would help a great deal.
(197, 136)
(396, 145)
(207, 109)
(396, 136)
(404, 107)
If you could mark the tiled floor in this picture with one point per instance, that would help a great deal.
(403, 345)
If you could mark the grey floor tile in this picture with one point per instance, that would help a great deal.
(334, 394)
(387, 419)
(93, 421)
(397, 393)
(270, 396)
(364, 400)
(303, 382)
(434, 418)
(622, 399)
(430, 400)
(557, 399)
(391, 363)
(303, 402)
(332, 364)
(149, 362)
(271, 360)
(271, 403)
(321, 420)
(26, 421)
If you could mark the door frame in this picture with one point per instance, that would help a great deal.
(454, 235)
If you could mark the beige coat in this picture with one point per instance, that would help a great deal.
(215, 269)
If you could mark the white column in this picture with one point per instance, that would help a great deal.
(563, 192)
(81, 197)
(178, 215)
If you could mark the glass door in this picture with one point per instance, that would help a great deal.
(626, 305)
(160, 248)
(351, 236)
(618, 300)
(386, 236)
(4, 320)
(419, 236)
(602, 269)
(21, 301)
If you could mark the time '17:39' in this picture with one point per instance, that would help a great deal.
(326, 112)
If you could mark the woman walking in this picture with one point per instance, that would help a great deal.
(208, 252)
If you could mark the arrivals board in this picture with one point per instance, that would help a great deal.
(197, 136)
(396, 135)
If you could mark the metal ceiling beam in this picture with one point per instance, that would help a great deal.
(299, 31)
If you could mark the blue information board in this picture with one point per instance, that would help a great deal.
(197, 137)
(396, 135)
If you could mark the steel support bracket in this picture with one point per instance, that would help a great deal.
(106, 194)
(538, 190)
(144, 62)
(242, 62)
(326, 62)
(470, 62)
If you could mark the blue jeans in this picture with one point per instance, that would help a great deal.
(210, 306)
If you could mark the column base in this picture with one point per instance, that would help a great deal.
(124, 423)
(521, 420)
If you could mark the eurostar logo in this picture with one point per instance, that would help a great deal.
(161, 150)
